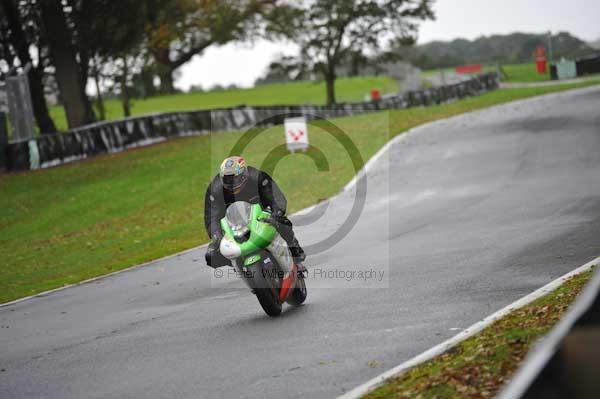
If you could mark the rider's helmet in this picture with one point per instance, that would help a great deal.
(234, 174)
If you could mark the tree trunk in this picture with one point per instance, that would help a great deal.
(146, 79)
(38, 100)
(99, 99)
(125, 90)
(166, 79)
(19, 42)
(330, 83)
(68, 73)
(164, 70)
(84, 62)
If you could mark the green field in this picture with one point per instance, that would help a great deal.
(70, 223)
(524, 73)
(306, 92)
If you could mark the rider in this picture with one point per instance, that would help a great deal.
(238, 182)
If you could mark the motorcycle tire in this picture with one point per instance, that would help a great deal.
(298, 295)
(267, 294)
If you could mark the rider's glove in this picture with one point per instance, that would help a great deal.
(213, 256)
(272, 220)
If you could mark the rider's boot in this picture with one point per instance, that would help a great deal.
(298, 255)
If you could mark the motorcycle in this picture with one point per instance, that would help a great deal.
(261, 257)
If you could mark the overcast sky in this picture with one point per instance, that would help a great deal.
(241, 64)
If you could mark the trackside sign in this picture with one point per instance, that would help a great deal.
(296, 134)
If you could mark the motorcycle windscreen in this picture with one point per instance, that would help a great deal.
(238, 217)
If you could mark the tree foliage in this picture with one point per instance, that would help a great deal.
(17, 36)
(178, 30)
(511, 48)
(125, 45)
(329, 30)
(120, 45)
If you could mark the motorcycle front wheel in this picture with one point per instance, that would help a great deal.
(267, 289)
(298, 295)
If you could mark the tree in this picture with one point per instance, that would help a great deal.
(283, 68)
(96, 75)
(113, 40)
(125, 71)
(331, 29)
(512, 48)
(84, 34)
(16, 43)
(180, 29)
(70, 70)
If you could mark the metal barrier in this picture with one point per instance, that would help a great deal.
(588, 65)
(3, 140)
(566, 364)
(3, 126)
(583, 66)
(20, 107)
(114, 136)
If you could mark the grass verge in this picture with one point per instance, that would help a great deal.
(520, 73)
(479, 366)
(305, 92)
(525, 73)
(515, 73)
(66, 224)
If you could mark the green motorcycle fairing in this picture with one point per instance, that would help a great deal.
(261, 235)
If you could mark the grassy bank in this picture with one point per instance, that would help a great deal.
(305, 92)
(481, 365)
(514, 72)
(524, 73)
(66, 224)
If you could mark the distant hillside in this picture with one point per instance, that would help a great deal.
(595, 44)
(512, 48)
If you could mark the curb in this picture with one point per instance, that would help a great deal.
(439, 349)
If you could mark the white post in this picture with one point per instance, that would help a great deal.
(550, 47)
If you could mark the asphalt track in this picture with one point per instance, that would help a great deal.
(481, 209)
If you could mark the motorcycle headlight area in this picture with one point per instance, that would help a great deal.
(238, 218)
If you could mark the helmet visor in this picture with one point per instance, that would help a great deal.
(233, 183)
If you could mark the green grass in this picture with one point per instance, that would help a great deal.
(479, 366)
(524, 73)
(70, 223)
(306, 92)
(514, 72)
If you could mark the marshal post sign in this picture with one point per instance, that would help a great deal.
(296, 134)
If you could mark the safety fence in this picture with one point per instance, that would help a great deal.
(114, 136)
(581, 67)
